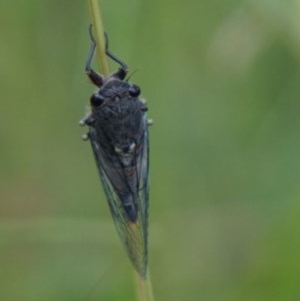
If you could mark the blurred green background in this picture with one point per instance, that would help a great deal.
(222, 81)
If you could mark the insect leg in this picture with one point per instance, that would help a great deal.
(96, 78)
(121, 73)
(87, 120)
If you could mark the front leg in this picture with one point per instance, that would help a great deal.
(87, 120)
(95, 78)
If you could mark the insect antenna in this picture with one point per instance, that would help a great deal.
(131, 74)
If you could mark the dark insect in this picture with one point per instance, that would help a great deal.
(118, 132)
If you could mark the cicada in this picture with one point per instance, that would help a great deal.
(118, 133)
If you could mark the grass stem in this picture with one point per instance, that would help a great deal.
(144, 288)
(98, 33)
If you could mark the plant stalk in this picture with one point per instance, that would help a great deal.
(144, 288)
(98, 34)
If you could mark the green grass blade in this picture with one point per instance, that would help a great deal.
(98, 33)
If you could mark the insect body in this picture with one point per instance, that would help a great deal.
(118, 132)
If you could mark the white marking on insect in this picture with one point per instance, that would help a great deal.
(126, 159)
(150, 122)
(143, 100)
(85, 137)
(118, 150)
(132, 147)
(95, 144)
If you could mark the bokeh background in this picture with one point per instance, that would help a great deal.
(222, 81)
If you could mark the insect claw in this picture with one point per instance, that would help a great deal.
(82, 122)
(150, 121)
(88, 120)
(143, 100)
(85, 137)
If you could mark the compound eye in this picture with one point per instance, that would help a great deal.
(134, 90)
(97, 100)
